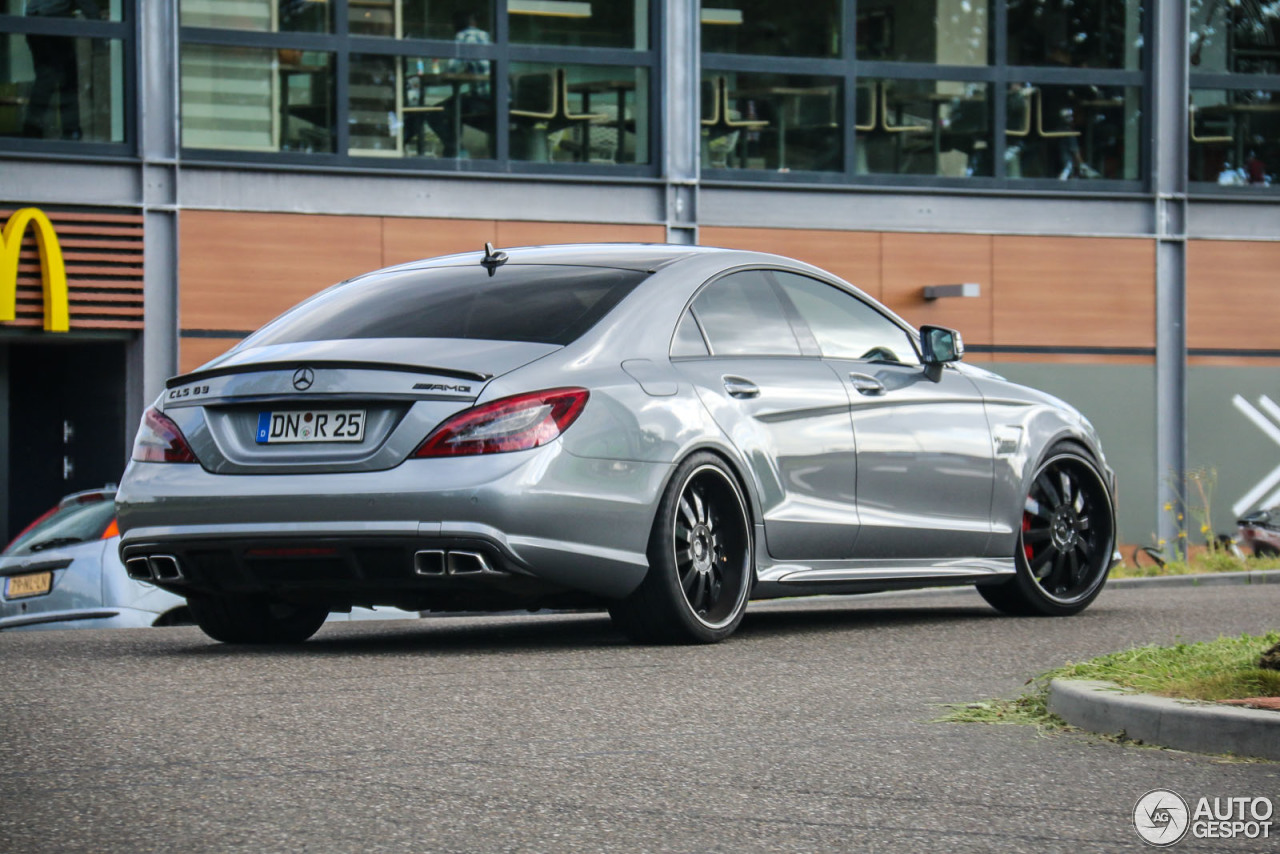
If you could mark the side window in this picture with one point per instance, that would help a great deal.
(743, 316)
(688, 341)
(845, 326)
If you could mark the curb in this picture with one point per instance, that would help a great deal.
(1204, 579)
(1191, 725)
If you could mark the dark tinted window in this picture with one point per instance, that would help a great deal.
(742, 316)
(541, 304)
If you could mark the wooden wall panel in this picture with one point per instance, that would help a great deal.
(412, 239)
(912, 261)
(548, 233)
(239, 270)
(1232, 295)
(852, 255)
(1069, 291)
(194, 352)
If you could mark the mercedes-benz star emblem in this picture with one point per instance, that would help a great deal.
(303, 378)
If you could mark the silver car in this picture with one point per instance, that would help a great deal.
(63, 571)
(662, 431)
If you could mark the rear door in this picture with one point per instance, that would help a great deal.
(785, 412)
(925, 454)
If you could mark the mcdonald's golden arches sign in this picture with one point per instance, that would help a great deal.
(70, 269)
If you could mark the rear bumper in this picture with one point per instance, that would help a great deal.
(82, 618)
(545, 522)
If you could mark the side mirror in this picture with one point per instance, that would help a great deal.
(940, 344)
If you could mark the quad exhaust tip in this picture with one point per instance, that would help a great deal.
(154, 568)
(437, 562)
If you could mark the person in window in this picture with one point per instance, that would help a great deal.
(1058, 107)
(56, 68)
(471, 103)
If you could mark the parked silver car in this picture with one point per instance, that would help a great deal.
(664, 431)
(64, 571)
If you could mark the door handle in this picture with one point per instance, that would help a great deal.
(741, 388)
(867, 385)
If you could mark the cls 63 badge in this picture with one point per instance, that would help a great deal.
(188, 391)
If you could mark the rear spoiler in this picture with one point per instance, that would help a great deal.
(255, 367)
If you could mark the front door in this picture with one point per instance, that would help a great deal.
(925, 455)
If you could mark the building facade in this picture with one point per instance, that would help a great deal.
(1106, 171)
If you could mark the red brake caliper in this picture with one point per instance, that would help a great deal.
(1026, 526)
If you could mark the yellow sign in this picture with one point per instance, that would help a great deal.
(53, 270)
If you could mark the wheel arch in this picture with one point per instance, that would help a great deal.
(736, 467)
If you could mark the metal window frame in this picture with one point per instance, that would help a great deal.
(125, 31)
(996, 73)
(342, 45)
(1226, 81)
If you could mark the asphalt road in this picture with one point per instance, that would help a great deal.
(812, 729)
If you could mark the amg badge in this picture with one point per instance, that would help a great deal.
(440, 387)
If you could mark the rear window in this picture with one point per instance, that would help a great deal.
(539, 304)
(77, 522)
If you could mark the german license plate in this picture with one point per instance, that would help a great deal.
(310, 425)
(31, 584)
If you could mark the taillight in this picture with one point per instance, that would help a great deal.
(514, 423)
(160, 441)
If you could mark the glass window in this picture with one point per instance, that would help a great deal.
(1235, 137)
(107, 10)
(1065, 131)
(580, 23)
(257, 98)
(579, 113)
(1235, 37)
(421, 107)
(938, 31)
(846, 327)
(743, 316)
(1076, 33)
(541, 304)
(463, 21)
(285, 16)
(688, 342)
(924, 127)
(772, 27)
(57, 87)
(86, 519)
(779, 122)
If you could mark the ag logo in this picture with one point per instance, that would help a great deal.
(1161, 817)
(303, 378)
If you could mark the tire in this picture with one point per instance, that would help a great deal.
(1066, 542)
(701, 560)
(1265, 550)
(255, 619)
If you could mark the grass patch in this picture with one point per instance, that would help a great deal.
(1225, 669)
(1203, 562)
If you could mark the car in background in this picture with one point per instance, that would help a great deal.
(1260, 531)
(662, 431)
(64, 570)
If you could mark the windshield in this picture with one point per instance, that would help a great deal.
(74, 523)
(540, 304)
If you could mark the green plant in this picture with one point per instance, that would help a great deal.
(1227, 668)
(1193, 497)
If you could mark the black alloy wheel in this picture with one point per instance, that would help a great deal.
(701, 560)
(1066, 542)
